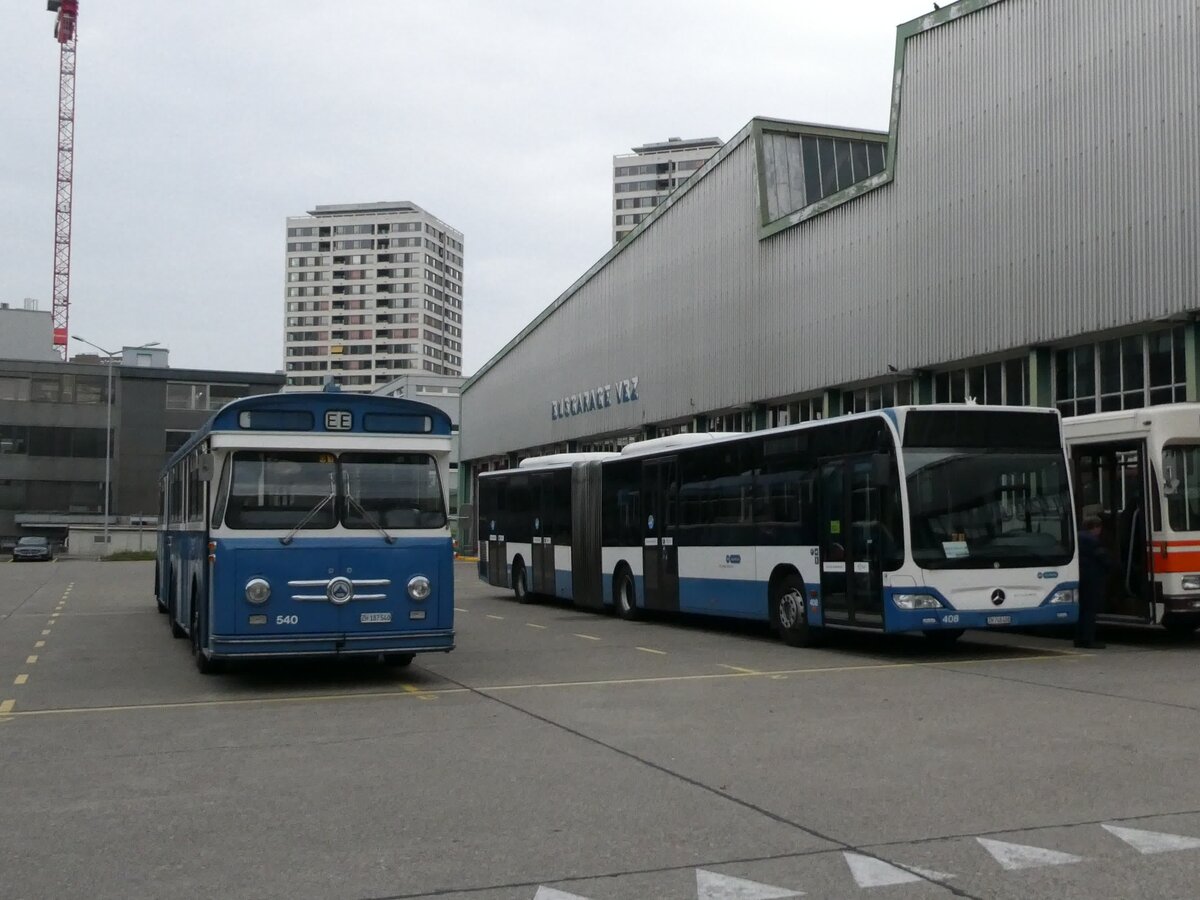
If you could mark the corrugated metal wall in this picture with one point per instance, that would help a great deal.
(1045, 186)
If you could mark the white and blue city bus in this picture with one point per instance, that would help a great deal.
(309, 524)
(928, 519)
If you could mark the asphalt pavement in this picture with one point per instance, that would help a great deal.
(560, 754)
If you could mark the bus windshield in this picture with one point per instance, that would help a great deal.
(392, 490)
(313, 490)
(1181, 485)
(984, 507)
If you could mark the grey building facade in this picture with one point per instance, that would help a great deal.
(1028, 237)
(52, 437)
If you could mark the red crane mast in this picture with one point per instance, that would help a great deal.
(64, 32)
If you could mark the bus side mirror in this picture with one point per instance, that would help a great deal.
(205, 466)
(881, 470)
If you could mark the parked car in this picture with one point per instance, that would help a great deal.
(32, 548)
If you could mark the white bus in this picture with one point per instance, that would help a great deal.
(1139, 471)
(931, 519)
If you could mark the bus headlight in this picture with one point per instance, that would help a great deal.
(916, 601)
(258, 591)
(1191, 582)
(419, 587)
(1066, 595)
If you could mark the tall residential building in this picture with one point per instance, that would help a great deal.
(642, 179)
(373, 290)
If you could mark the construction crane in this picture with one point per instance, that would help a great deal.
(66, 17)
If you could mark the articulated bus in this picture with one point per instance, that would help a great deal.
(309, 525)
(1139, 471)
(931, 519)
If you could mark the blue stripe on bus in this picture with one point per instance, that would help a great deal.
(563, 584)
(724, 597)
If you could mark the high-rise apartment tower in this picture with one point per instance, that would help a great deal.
(373, 290)
(643, 178)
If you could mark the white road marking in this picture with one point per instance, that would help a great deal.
(711, 886)
(870, 872)
(545, 893)
(1147, 842)
(1022, 856)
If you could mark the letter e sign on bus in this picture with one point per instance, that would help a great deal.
(338, 420)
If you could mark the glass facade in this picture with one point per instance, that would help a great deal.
(1122, 373)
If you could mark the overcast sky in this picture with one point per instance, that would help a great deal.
(201, 126)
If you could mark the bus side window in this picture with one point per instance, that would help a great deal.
(218, 515)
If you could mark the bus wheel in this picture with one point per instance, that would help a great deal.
(173, 614)
(945, 637)
(625, 596)
(204, 665)
(520, 587)
(398, 660)
(789, 615)
(1180, 626)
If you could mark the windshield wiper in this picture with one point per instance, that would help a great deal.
(353, 501)
(329, 498)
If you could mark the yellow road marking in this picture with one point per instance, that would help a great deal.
(739, 669)
(460, 609)
(409, 690)
(54, 616)
(490, 616)
(652, 650)
(6, 706)
(21, 679)
(420, 694)
(535, 625)
(31, 659)
(45, 631)
(586, 637)
(38, 644)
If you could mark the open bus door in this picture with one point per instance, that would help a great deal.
(660, 554)
(1113, 480)
(851, 576)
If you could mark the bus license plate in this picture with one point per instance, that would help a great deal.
(999, 620)
(367, 618)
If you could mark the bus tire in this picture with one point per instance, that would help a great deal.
(1180, 626)
(204, 665)
(945, 637)
(625, 595)
(398, 660)
(789, 612)
(173, 613)
(519, 584)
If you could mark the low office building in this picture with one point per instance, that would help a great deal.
(1023, 233)
(53, 422)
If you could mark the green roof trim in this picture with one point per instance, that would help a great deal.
(924, 23)
(753, 130)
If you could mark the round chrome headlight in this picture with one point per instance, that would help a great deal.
(257, 590)
(419, 587)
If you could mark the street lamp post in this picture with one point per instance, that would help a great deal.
(111, 358)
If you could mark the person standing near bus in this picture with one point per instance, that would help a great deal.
(1094, 566)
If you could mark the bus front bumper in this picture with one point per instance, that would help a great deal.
(938, 619)
(242, 647)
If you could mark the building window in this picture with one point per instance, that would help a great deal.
(14, 388)
(877, 396)
(1001, 383)
(204, 397)
(1122, 373)
(806, 410)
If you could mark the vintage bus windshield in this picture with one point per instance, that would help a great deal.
(973, 507)
(1181, 485)
(315, 490)
(392, 490)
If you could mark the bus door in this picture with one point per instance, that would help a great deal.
(660, 555)
(850, 533)
(1113, 481)
(543, 540)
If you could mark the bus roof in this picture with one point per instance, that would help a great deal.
(308, 412)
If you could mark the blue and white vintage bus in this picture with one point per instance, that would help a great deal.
(309, 524)
(928, 519)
